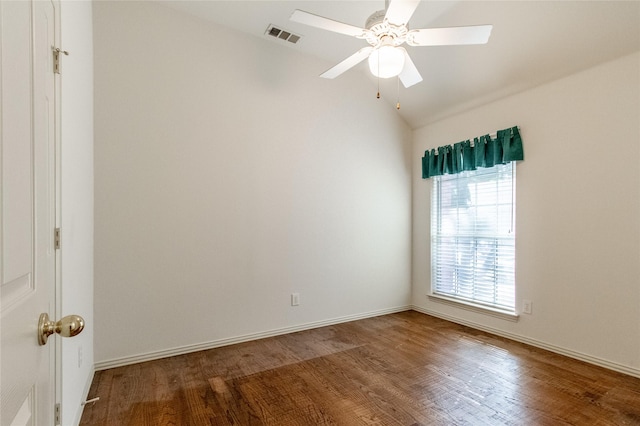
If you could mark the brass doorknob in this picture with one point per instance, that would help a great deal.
(69, 326)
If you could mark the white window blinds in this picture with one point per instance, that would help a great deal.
(473, 236)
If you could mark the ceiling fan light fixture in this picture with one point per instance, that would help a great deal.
(386, 61)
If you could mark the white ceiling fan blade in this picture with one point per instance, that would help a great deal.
(477, 34)
(325, 23)
(348, 63)
(410, 74)
(400, 11)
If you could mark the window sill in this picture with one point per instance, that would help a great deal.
(469, 306)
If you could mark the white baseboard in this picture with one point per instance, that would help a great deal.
(119, 362)
(165, 353)
(537, 343)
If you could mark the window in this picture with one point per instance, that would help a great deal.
(473, 237)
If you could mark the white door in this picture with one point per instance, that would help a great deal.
(28, 209)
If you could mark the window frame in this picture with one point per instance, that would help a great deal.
(500, 311)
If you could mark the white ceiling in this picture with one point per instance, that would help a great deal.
(532, 42)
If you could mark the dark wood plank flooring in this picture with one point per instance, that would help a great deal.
(398, 369)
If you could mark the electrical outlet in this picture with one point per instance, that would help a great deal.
(295, 299)
(527, 306)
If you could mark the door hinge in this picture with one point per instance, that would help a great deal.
(57, 413)
(56, 238)
(56, 59)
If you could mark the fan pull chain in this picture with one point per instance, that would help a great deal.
(378, 95)
(398, 87)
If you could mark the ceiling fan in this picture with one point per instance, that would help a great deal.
(385, 31)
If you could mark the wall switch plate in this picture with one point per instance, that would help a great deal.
(527, 306)
(295, 299)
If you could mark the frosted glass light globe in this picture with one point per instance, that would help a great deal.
(386, 61)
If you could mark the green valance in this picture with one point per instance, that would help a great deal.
(482, 152)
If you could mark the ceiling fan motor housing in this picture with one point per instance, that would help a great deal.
(379, 31)
(375, 18)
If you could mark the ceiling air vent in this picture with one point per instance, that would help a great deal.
(282, 34)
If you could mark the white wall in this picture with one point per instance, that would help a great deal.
(578, 210)
(76, 200)
(227, 176)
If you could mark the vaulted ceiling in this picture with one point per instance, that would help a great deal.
(532, 42)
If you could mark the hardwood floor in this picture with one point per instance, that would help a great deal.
(400, 369)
